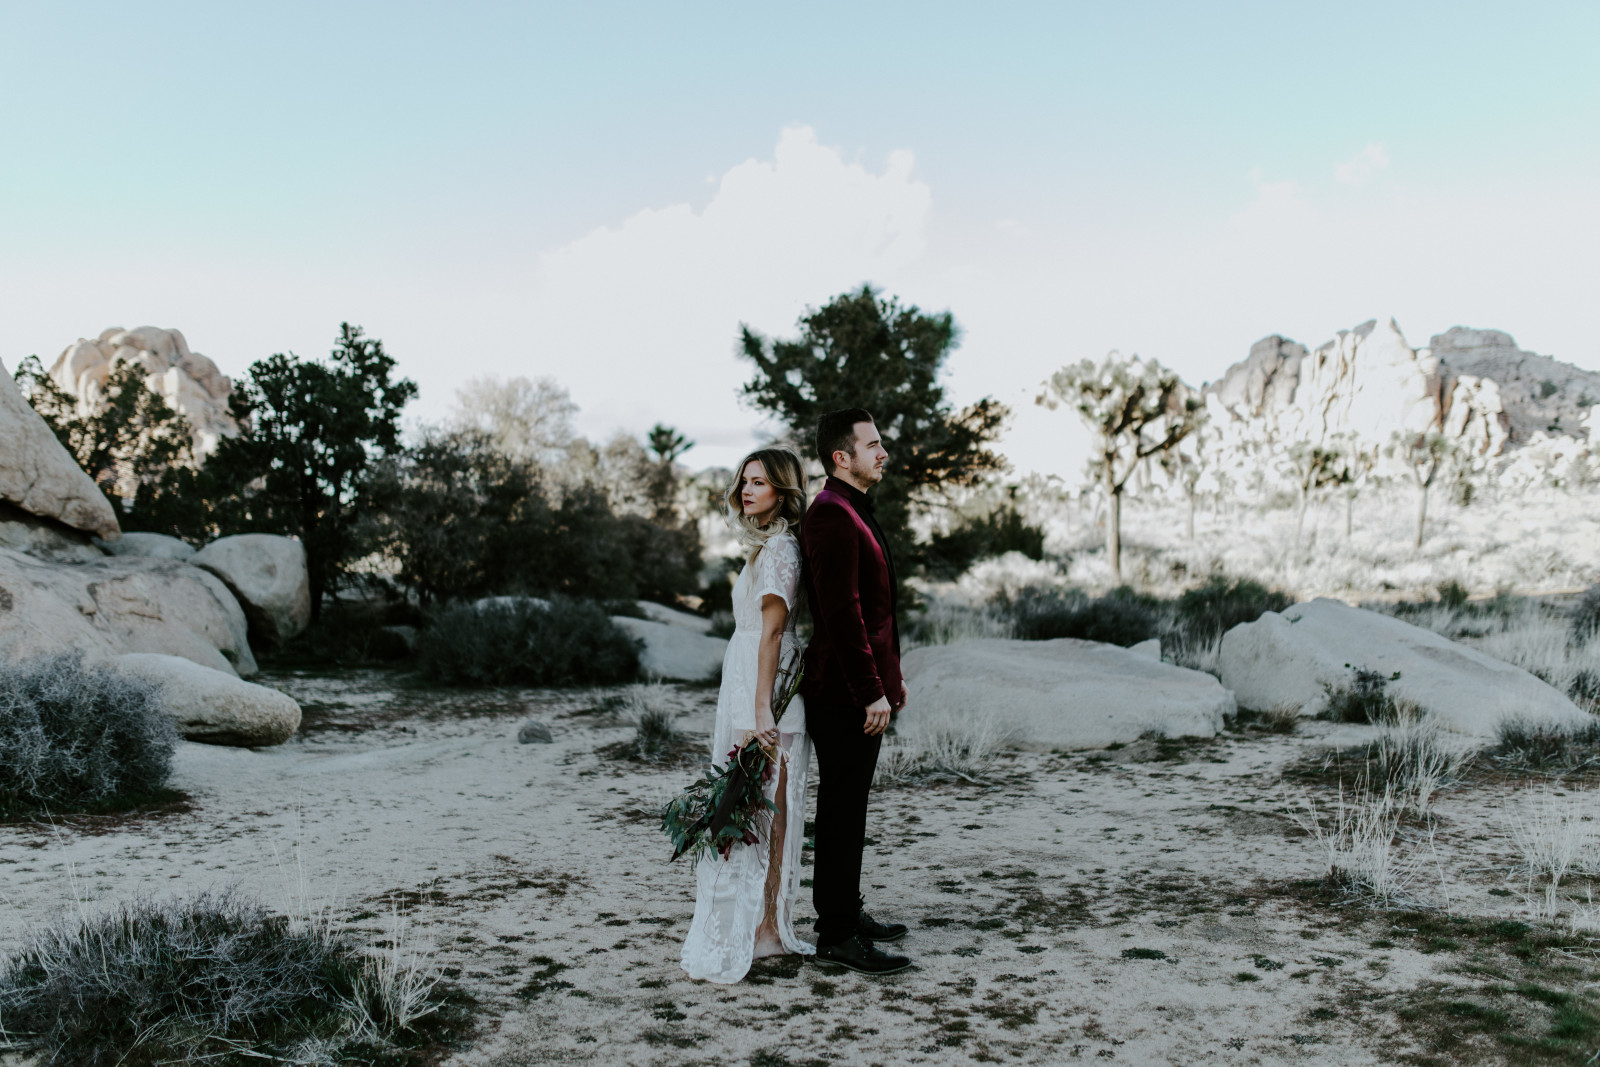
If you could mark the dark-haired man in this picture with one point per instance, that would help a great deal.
(852, 681)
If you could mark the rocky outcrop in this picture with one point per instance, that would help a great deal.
(1294, 658)
(212, 706)
(1486, 396)
(268, 575)
(189, 382)
(119, 605)
(1061, 694)
(673, 651)
(1538, 394)
(39, 476)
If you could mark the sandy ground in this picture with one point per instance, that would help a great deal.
(1123, 905)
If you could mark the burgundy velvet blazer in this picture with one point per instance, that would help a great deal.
(854, 654)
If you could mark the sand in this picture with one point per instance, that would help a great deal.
(1089, 905)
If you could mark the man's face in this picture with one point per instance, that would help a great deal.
(867, 457)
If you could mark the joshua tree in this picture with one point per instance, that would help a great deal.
(1355, 468)
(1424, 455)
(1313, 467)
(1136, 409)
(1190, 465)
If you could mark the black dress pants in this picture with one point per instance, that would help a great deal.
(846, 760)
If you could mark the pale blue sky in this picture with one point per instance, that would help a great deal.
(1081, 177)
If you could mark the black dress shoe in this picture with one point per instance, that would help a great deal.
(862, 955)
(873, 930)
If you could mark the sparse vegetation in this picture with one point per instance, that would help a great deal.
(1358, 839)
(519, 640)
(1538, 747)
(77, 738)
(953, 750)
(209, 977)
(1364, 699)
(1212, 609)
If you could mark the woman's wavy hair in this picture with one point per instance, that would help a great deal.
(785, 474)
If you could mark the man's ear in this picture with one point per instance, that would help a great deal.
(839, 464)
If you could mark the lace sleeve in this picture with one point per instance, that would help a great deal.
(778, 570)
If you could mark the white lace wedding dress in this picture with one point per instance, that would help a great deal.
(731, 898)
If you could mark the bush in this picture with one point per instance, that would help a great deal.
(210, 977)
(1121, 617)
(1586, 616)
(1527, 745)
(1364, 700)
(1210, 611)
(947, 556)
(80, 738)
(521, 641)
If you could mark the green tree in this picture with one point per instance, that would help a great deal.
(133, 444)
(859, 350)
(1136, 409)
(310, 432)
(667, 445)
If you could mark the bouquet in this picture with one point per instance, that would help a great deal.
(719, 809)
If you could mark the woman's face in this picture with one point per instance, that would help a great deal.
(759, 498)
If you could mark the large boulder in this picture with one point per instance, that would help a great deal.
(672, 651)
(212, 706)
(117, 605)
(268, 574)
(1060, 694)
(40, 476)
(1292, 659)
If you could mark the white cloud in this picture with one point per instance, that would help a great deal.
(640, 320)
(1362, 166)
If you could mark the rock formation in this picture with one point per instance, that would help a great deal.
(40, 476)
(1474, 386)
(214, 707)
(1063, 694)
(268, 575)
(1293, 658)
(189, 382)
(118, 605)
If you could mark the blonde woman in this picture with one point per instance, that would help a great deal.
(744, 907)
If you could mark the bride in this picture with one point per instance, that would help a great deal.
(744, 906)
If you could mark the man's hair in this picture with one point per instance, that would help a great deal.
(836, 432)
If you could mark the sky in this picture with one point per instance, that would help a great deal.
(602, 193)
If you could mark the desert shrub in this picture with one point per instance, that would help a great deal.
(1364, 699)
(1412, 756)
(948, 555)
(1358, 842)
(1121, 617)
(1586, 616)
(1206, 613)
(350, 633)
(951, 749)
(82, 738)
(210, 977)
(1525, 745)
(527, 642)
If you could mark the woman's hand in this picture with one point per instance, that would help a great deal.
(766, 728)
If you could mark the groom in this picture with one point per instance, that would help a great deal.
(852, 681)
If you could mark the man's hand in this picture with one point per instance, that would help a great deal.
(877, 716)
(904, 698)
